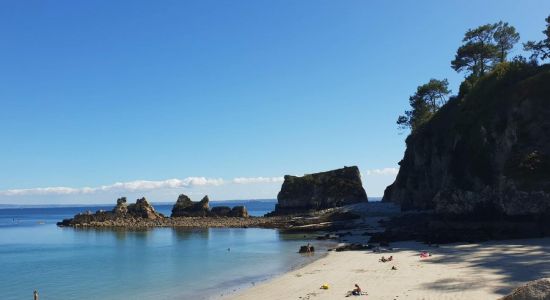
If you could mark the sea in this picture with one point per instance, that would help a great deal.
(158, 263)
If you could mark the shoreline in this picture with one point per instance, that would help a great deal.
(245, 285)
(487, 270)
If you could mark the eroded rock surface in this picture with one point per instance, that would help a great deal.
(320, 191)
(533, 290)
(184, 207)
(485, 154)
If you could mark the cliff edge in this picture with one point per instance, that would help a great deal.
(485, 153)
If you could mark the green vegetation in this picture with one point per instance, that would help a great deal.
(542, 48)
(484, 49)
(425, 103)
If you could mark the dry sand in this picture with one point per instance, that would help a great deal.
(458, 271)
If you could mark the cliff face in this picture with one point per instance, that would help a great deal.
(486, 153)
(320, 190)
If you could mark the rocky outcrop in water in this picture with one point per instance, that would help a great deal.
(184, 207)
(142, 209)
(122, 211)
(485, 154)
(143, 214)
(320, 191)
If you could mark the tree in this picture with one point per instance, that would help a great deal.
(505, 37)
(483, 47)
(427, 100)
(541, 48)
(478, 51)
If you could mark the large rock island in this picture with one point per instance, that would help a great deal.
(320, 191)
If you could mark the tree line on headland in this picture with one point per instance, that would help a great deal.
(484, 49)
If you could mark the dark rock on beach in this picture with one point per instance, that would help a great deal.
(352, 247)
(533, 290)
(320, 191)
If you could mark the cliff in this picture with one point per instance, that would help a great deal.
(320, 190)
(486, 153)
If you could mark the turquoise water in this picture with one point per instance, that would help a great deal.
(161, 263)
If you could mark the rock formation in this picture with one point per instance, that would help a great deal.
(533, 290)
(485, 154)
(142, 209)
(142, 214)
(184, 207)
(121, 207)
(220, 211)
(139, 210)
(320, 191)
(238, 212)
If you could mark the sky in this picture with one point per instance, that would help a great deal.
(102, 99)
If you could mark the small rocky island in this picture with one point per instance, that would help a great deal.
(318, 191)
(185, 213)
(307, 203)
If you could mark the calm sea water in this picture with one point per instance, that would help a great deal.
(160, 263)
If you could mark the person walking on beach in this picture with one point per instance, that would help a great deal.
(35, 295)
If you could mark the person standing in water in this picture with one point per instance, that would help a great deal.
(35, 295)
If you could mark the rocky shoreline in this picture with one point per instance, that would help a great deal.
(314, 202)
(198, 215)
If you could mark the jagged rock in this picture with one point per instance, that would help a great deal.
(320, 191)
(485, 154)
(142, 209)
(121, 207)
(221, 211)
(239, 212)
(533, 290)
(184, 207)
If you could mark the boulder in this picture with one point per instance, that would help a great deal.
(533, 290)
(320, 191)
(184, 207)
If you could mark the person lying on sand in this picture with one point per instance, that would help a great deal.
(383, 259)
(390, 258)
(425, 254)
(356, 291)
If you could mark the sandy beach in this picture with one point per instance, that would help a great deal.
(457, 271)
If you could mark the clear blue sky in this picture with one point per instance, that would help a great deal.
(98, 92)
